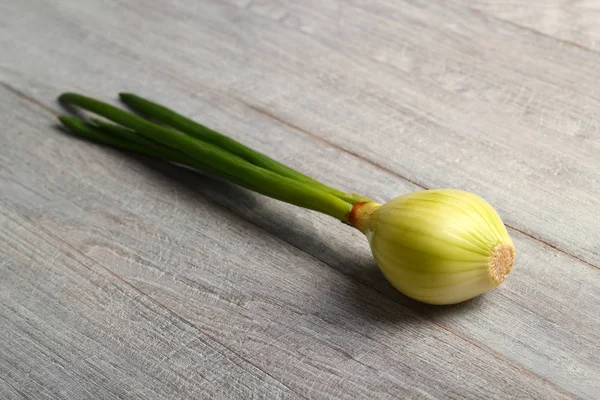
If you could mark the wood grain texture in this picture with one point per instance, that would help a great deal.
(291, 299)
(436, 80)
(573, 21)
(71, 328)
(321, 329)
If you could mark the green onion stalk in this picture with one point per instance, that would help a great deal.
(440, 246)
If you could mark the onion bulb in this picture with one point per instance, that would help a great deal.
(437, 246)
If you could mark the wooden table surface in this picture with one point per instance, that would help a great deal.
(123, 277)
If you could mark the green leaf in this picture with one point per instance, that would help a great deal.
(209, 157)
(166, 116)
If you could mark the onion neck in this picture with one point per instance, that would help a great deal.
(363, 216)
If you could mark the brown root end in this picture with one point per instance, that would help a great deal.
(502, 261)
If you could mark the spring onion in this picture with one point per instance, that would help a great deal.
(439, 246)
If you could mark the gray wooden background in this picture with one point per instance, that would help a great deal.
(123, 277)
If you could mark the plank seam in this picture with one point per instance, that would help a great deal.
(488, 16)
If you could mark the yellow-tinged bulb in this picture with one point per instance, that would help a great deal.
(440, 246)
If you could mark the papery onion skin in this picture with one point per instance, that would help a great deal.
(440, 246)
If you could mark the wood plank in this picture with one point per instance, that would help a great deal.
(73, 329)
(479, 105)
(325, 328)
(573, 21)
(540, 338)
